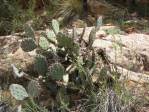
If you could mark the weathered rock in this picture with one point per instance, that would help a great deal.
(129, 51)
(11, 53)
(133, 76)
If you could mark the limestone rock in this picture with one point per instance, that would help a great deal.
(128, 51)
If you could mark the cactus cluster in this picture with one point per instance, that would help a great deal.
(68, 67)
(64, 44)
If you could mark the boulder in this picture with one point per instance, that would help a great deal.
(128, 51)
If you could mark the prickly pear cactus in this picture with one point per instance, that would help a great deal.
(33, 88)
(28, 44)
(43, 43)
(55, 26)
(29, 32)
(91, 37)
(57, 71)
(51, 35)
(40, 65)
(64, 41)
(18, 91)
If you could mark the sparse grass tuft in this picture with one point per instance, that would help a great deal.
(70, 8)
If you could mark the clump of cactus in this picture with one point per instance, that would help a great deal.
(62, 61)
(59, 67)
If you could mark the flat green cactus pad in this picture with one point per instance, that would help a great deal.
(64, 41)
(43, 43)
(40, 64)
(29, 32)
(33, 88)
(18, 91)
(57, 71)
(28, 44)
(55, 26)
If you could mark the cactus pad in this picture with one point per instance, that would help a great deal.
(29, 32)
(51, 36)
(28, 44)
(64, 41)
(92, 37)
(33, 88)
(18, 91)
(40, 64)
(57, 71)
(43, 43)
(55, 26)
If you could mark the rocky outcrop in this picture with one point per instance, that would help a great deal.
(129, 52)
